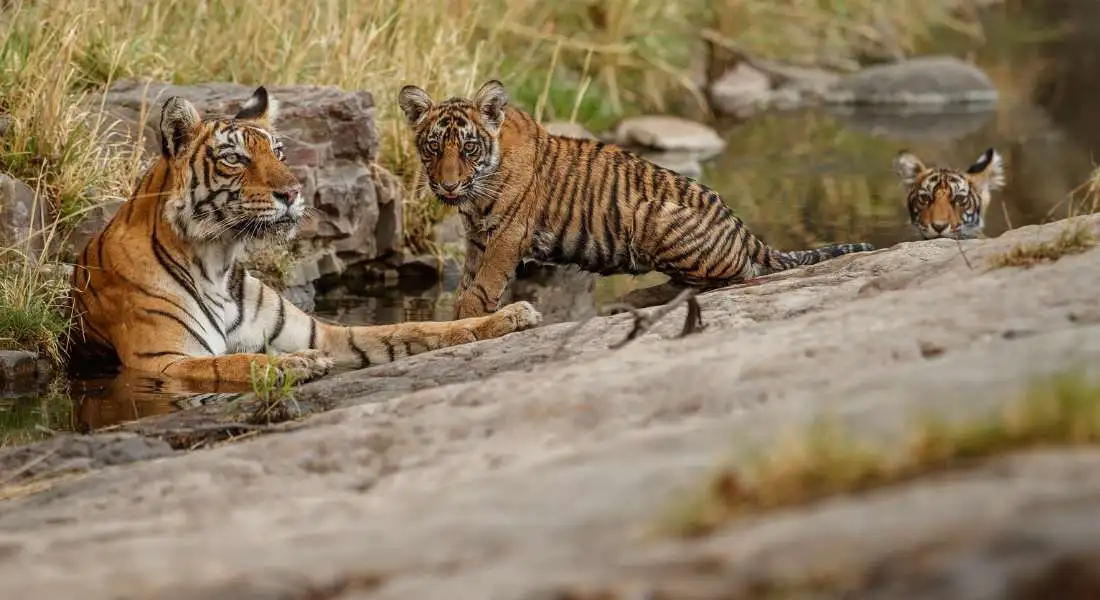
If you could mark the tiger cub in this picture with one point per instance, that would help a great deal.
(946, 202)
(162, 289)
(524, 193)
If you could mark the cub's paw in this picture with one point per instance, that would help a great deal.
(305, 364)
(521, 314)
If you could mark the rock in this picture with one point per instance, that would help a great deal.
(741, 92)
(432, 267)
(17, 366)
(568, 129)
(22, 217)
(658, 132)
(69, 452)
(561, 292)
(93, 222)
(934, 80)
(685, 163)
(332, 144)
(450, 231)
(537, 464)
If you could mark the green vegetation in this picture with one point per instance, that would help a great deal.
(274, 389)
(25, 420)
(826, 461)
(1074, 239)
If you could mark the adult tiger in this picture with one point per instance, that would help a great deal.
(946, 202)
(160, 288)
(524, 193)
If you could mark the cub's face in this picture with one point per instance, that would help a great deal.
(230, 173)
(457, 140)
(946, 202)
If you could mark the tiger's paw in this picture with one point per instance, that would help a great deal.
(305, 364)
(522, 315)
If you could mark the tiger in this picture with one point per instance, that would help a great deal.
(162, 288)
(946, 202)
(525, 194)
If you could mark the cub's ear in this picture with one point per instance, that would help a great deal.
(178, 121)
(261, 107)
(988, 172)
(908, 167)
(414, 102)
(491, 100)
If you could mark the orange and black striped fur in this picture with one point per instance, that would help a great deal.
(161, 288)
(524, 193)
(945, 202)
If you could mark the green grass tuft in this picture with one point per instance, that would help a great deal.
(826, 461)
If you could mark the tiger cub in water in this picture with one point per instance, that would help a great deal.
(948, 202)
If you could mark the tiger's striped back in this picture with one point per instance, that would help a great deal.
(525, 193)
(947, 202)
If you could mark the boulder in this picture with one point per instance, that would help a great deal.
(332, 143)
(538, 465)
(668, 133)
(23, 219)
(929, 80)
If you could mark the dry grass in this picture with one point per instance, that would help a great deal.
(1074, 239)
(825, 461)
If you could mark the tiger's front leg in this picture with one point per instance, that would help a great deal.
(279, 325)
(475, 249)
(498, 266)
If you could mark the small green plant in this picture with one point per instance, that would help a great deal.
(1074, 239)
(274, 388)
(825, 461)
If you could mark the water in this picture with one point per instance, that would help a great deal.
(798, 179)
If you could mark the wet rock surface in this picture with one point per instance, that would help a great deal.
(535, 465)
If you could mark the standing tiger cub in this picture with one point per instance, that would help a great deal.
(524, 193)
(945, 202)
(161, 288)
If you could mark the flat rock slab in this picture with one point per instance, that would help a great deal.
(534, 466)
(927, 80)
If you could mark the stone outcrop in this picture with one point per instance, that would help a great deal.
(23, 219)
(536, 465)
(332, 144)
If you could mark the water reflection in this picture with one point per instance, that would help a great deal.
(110, 398)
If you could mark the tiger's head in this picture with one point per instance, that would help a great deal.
(945, 202)
(228, 175)
(457, 139)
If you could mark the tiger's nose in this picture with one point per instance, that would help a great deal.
(448, 187)
(939, 226)
(286, 196)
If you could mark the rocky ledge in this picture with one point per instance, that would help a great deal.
(534, 466)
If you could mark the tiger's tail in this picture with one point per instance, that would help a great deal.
(779, 260)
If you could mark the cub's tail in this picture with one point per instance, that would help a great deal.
(778, 260)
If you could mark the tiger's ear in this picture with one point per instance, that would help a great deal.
(491, 100)
(414, 102)
(907, 167)
(987, 173)
(178, 121)
(259, 107)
